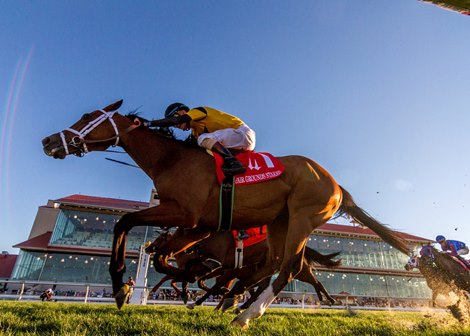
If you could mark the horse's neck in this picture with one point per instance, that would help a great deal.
(447, 262)
(152, 153)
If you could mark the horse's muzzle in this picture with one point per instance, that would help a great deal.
(52, 148)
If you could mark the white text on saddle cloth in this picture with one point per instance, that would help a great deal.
(260, 167)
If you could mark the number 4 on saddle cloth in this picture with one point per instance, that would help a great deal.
(260, 167)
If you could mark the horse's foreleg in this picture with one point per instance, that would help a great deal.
(161, 282)
(222, 281)
(255, 293)
(185, 291)
(297, 234)
(154, 216)
(175, 287)
(247, 282)
(117, 266)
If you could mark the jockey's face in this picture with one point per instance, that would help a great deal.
(183, 126)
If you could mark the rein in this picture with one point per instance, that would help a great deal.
(79, 142)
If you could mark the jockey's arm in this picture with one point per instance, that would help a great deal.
(453, 250)
(171, 121)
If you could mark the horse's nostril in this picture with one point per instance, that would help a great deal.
(46, 141)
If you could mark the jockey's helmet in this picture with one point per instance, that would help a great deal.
(173, 108)
(440, 238)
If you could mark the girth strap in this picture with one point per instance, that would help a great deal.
(227, 190)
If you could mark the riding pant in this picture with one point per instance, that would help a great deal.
(241, 138)
(463, 251)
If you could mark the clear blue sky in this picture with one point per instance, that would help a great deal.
(375, 91)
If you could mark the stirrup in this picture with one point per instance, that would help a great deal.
(233, 167)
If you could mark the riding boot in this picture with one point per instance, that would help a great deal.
(231, 165)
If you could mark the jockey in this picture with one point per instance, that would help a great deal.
(47, 295)
(456, 248)
(214, 130)
(130, 281)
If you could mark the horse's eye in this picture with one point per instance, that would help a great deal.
(86, 116)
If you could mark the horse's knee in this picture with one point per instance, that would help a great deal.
(118, 227)
(122, 225)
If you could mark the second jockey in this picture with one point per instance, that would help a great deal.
(456, 248)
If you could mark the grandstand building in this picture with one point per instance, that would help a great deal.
(70, 241)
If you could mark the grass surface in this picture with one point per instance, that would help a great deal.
(55, 318)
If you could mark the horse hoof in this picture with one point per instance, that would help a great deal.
(190, 305)
(237, 311)
(122, 296)
(240, 322)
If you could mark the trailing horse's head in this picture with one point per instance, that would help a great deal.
(413, 262)
(96, 130)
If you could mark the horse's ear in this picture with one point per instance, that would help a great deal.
(114, 106)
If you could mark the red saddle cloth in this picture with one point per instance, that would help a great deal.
(465, 266)
(260, 167)
(255, 235)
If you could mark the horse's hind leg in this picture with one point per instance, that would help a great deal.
(297, 234)
(307, 276)
(255, 293)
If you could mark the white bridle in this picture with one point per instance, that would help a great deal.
(81, 134)
(413, 262)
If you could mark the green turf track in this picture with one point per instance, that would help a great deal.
(55, 318)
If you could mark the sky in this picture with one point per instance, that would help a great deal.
(377, 92)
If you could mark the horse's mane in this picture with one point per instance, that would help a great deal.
(166, 132)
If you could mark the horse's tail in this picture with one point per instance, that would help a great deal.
(313, 256)
(350, 208)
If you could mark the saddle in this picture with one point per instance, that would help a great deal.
(462, 262)
(260, 166)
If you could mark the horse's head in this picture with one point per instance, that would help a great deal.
(413, 262)
(164, 235)
(94, 131)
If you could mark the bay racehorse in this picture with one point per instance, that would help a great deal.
(444, 278)
(221, 246)
(303, 198)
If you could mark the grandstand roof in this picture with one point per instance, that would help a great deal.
(39, 242)
(7, 262)
(362, 231)
(102, 202)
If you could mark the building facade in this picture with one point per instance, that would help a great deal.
(71, 239)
